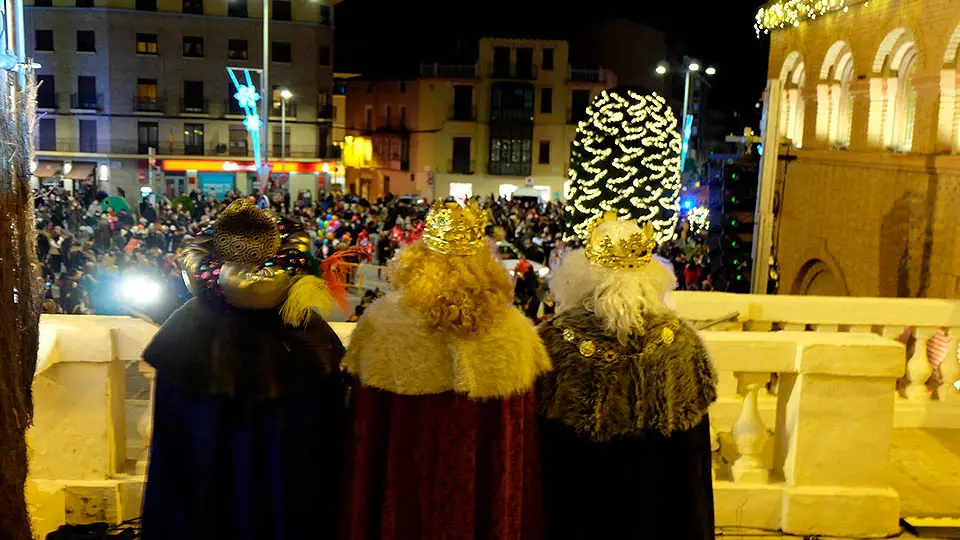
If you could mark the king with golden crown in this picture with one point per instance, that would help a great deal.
(442, 428)
(624, 427)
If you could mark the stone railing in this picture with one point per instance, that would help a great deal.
(817, 460)
(927, 394)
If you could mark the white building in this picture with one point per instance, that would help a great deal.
(121, 76)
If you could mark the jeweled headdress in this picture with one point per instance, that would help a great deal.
(452, 229)
(630, 253)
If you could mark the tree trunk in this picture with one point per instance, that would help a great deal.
(21, 292)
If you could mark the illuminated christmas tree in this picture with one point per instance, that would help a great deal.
(625, 159)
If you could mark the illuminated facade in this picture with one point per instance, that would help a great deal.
(121, 76)
(501, 124)
(869, 112)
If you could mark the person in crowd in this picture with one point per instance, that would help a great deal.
(249, 398)
(625, 432)
(443, 439)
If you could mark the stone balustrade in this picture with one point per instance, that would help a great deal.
(806, 456)
(927, 394)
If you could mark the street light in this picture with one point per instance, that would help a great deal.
(693, 66)
(285, 95)
(711, 70)
(661, 69)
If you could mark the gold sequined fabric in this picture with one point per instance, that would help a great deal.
(243, 234)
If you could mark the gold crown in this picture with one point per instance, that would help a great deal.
(632, 253)
(452, 229)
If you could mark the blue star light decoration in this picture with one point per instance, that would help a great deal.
(247, 97)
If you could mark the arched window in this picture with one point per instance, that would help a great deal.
(791, 110)
(835, 102)
(948, 134)
(893, 99)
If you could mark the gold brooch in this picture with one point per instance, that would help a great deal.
(568, 335)
(667, 335)
(588, 348)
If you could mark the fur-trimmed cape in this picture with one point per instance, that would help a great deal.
(661, 380)
(394, 349)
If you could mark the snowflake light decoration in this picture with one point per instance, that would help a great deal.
(247, 96)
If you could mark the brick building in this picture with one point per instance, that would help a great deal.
(871, 111)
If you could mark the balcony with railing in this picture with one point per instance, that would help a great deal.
(510, 168)
(825, 424)
(48, 102)
(587, 75)
(455, 166)
(518, 72)
(463, 114)
(86, 102)
(277, 112)
(148, 104)
(449, 71)
(195, 106)
(326, 112)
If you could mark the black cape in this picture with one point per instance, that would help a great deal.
(248, 415)
(624, 431)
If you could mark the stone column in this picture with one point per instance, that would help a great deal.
(833, 439)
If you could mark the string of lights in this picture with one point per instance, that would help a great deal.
(785, 13)
(626, 159)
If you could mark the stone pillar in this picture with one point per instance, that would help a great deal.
(926, 120)
(834, 438)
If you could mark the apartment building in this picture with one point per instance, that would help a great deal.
(119, 77)
(502, 124)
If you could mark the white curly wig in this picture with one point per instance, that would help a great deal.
(620, 298)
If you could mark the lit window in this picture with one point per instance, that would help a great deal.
(147, 44)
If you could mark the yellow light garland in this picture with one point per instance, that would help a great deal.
(784, 13)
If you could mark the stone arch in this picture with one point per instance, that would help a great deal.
(817, 278)
(892, 95)
(948, 118)
(834, 101)
(792, 76)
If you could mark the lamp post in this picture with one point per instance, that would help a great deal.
(692, 67)
(263, 171)
(285, 95)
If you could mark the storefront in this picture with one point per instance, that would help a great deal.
(293, 177)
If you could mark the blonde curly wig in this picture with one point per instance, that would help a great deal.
(464, 294)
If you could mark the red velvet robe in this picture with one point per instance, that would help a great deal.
(441, 466)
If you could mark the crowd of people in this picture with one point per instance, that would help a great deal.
(89, 249)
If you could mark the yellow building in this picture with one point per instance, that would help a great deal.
(501, 124)
(869, 110)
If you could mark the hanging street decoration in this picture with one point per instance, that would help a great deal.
(625, 159)
(247, 97)
(786, 13)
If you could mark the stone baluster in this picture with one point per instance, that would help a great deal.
(918, 367)
(749, 433)
(950, 391)
(145, 423)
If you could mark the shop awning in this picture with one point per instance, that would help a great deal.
(81, 170)
(46, 169)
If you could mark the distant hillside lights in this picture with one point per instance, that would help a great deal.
(783, 13)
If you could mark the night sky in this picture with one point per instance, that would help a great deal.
(389, 37)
